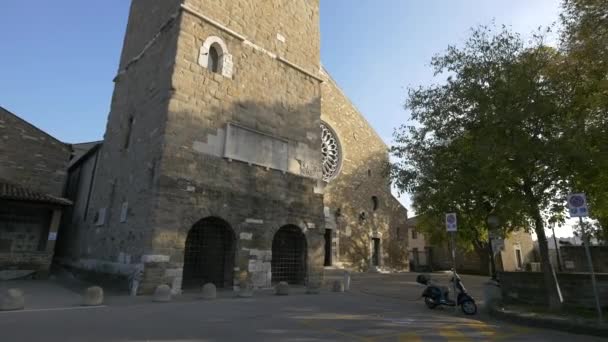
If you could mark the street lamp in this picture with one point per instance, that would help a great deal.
(493, 222)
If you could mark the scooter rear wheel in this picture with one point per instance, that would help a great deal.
(429, 303)
(468, 307)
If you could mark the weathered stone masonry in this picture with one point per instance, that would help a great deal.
(213, 152)
(173, 172)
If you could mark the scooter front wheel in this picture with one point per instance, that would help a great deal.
(469, 307)
(430, 303)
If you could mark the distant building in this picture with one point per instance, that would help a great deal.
(516, 254)
(33, 172)
(572, 256)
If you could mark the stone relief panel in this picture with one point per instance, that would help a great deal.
(257, 148)
(250, 146)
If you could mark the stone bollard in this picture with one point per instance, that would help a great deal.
(338, 286)
(492, 294)
(93, 296)
(346, 281)
(246, 289)
(282, 289)
(162, 294)
(313, 287)
(12, 299)
(209, 291)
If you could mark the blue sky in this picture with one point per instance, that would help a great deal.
(58, 58)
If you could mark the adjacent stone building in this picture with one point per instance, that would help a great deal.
(33, 171)
(362, 216)
(229, 156)
(515, 253)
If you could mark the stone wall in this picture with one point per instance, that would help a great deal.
(364, 174)
(274, 105)
(162, 164)
(574, 258)
(471, 262)
(517, 240)
(31, 158)
(286, 28)
(117, 228)
(528, 287)
(81, 179)
(146, 17)
(241, 145)
(19, 265)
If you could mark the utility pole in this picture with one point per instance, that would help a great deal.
(493, 223)
(559, 258)
(577, 205)
(451, 223)
(590, 261)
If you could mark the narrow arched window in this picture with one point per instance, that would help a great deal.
(375, 203)
(214, 56)
(129, 133)
(214, 59)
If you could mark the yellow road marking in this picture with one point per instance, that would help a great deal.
(409, 337)
(485, 330)
(451, 334)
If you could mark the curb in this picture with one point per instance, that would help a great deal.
(566, 325)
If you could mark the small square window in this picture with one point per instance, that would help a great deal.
(100, 217)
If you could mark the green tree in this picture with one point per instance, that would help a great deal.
(583, 75)
(491, 132)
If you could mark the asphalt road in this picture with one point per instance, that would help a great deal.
(379, 308)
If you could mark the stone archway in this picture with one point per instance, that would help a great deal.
(289, 256)
(209, 254)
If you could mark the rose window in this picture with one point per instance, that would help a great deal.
(332, 154)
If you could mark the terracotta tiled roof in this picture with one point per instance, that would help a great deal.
(12, 192)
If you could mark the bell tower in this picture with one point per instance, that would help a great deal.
(214, 126)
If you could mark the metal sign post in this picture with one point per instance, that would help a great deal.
(577, 204)
(451, 224)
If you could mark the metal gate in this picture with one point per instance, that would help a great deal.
(289, 256)
(209, 254)
(376, 252)
(328, 245)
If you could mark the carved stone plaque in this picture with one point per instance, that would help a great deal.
(253, 147)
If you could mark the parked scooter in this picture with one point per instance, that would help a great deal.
(435, 295)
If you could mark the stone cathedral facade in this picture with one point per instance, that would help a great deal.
(229, 155)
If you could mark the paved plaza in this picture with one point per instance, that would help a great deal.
(378, 308)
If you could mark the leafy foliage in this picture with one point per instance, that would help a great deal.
(583, 75)
(489, 139)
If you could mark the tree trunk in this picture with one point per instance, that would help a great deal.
(551, 284)
(484, 262)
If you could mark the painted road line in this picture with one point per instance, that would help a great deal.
(409, 337)
(54, 309)
(451, 334)
(482, 329)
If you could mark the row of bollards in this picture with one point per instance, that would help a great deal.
(14, 299)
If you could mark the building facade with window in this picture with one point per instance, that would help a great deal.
(515, 253)
(230, 155)
(33, 171)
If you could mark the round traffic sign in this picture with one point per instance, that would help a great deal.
(577, 201)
